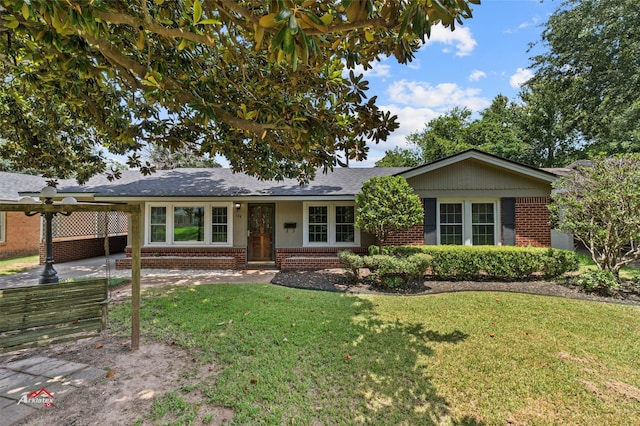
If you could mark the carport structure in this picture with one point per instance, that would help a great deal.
(133, 210)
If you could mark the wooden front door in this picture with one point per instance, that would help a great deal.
(261, 231)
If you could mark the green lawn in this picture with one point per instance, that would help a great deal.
(19, 264)
(304, 357)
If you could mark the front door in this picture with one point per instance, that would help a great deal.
(261, 228)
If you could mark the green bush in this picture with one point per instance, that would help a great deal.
(491, 262)
(352, 263)
(598, 281)
(392, 271)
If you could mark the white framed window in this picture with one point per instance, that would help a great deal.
(3, 227)
(189, 224)
(330, 224)
(468, 222)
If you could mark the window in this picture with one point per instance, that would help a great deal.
(468, 223)
(186, 223)
(158, 225)
(451, 223)
(330, 224)
(345, 229)
(318, 224)
(482, 224)
(3, 226)
(219, 225)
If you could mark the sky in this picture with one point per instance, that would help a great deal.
(487, 56)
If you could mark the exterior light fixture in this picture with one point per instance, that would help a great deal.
(49, 274)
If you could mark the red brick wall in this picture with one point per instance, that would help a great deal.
(239, 254)
(84, 248)
(412, 237)
(311, 252)
(533, 226)
(170, 262)
(22, 236)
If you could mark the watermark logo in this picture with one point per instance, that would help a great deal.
(37, 397)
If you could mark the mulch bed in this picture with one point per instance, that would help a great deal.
(338, 280)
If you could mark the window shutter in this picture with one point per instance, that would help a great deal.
(430, 235)
(508, 221)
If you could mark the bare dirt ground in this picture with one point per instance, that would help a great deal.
(125, 395)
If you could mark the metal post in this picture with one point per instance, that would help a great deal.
(49, 274)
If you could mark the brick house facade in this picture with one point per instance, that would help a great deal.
(217, 219)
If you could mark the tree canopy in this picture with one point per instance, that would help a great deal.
(387, 205)
(262, 83)
(591, 62)
(496, 131)
(600, 205)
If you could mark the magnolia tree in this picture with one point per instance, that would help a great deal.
(600, 205)
(387, 205)
(270, 85)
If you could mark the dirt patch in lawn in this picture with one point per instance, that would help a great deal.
(135, 379)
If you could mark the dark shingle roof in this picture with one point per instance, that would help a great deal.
(13, 183)
(219, 182)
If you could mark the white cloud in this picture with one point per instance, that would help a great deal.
(411, 120)
(477, 75)
(377, 69)
(416, 103)
(524, 25)
(521, 76)
(461, 39)
(420, 94)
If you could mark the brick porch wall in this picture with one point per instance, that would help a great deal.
(533, 226)
(22, 236)
(313, 252)
(84, 248)
(181, 257)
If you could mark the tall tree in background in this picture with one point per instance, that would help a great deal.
(163, 158)
(261, 83)
(552, 142)
(497, 132)
(443, 136)
(592, 62)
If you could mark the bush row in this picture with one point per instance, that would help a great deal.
(479, 262)
(389, 271)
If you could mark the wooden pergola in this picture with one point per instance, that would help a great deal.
(134, 232)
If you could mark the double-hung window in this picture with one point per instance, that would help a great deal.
(468, 222)
(3, 227)
(330, 224)
(189, 224)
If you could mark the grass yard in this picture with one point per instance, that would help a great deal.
(306, 357)
(19, 264)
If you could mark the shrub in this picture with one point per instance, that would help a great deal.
(494, 262)
(392, 271)
(352, 263)
(599, 281)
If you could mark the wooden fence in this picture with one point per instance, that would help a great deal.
(51, 313)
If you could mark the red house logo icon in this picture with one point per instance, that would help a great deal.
(38, 397)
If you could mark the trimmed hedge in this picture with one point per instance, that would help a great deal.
(394, 271)
(490, 262)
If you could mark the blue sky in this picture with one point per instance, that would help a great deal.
(470, 66)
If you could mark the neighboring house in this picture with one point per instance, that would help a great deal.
(19, 233)
(78, 236)
(214, 218)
